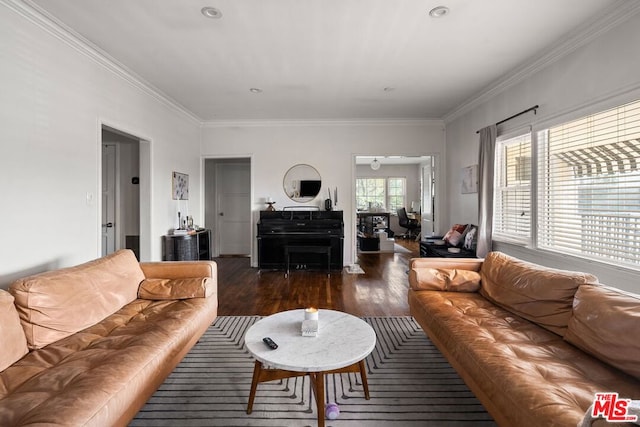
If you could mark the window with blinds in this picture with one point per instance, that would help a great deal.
(512, 198)
(589, 186)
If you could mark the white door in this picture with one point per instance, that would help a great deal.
(233, 188)
(108, 198)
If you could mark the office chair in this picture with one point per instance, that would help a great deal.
(411, 225)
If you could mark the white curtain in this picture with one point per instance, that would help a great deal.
(485, 189)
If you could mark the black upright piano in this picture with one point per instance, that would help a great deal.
(281, 232)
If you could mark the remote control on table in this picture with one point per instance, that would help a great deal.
(268, 341)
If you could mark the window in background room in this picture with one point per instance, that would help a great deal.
(370, 193)
(589, 186)
(386, 194)
(396, 193)
(512, 198)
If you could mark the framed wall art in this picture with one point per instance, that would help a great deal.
(180, 186)
(470, 179)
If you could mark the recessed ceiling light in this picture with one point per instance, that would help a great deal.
(255, 90)
(439, 11)
(211, 12)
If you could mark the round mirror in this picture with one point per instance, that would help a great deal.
(302, 183)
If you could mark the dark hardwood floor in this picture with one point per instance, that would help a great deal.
(381, 291)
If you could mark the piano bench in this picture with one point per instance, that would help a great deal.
(314, 249)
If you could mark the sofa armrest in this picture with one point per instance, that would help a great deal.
(178, 279)
(179, 269)
(472, 264)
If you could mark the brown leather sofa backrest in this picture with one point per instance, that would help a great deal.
(56, 304)
(12, 339)
(606, 324)
(540, 294)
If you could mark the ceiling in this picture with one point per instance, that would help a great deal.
(323, 59)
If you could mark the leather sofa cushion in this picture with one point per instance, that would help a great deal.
(96, 376)
(12, 339)
(530, 375)
(606, 324)
(540, 294)
(56, 304)
(159, 289)
(444, 279)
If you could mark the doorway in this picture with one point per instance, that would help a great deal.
(228, 205)
(385, 183)
(120, 213)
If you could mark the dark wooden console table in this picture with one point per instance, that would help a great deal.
(188, 247)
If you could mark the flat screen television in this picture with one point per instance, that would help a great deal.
(310, 188)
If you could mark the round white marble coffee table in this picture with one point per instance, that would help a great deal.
(342, 344)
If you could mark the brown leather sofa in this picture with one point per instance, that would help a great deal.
(88, 345)
(533, 343)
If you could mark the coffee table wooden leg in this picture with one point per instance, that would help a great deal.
(316, 378)
(317, 382)
(363, 375)
(261, 375)
(257, 369)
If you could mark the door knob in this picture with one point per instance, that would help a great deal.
(221, 214)
(108, 225)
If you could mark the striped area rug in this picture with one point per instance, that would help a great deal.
(410, 382)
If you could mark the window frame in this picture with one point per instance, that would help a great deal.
(387, 192)
(594, 187)
(375, 197)
(403, 196)
(501, 186)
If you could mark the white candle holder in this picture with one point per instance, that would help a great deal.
(311, 313)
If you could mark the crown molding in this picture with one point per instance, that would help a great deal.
(41, 18)
(322, 122)
(582, 35)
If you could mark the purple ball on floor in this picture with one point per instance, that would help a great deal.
(332, 411)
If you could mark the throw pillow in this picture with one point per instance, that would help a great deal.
(470, 237)
(454, 235)
(442, 279)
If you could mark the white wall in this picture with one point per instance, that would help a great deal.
(329, 147)
(54, 102)
(596, 76)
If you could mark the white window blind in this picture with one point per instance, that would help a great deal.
(512, 198)
(589, 186)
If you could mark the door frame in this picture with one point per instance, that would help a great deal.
(116, 193)
(438, 188)
(251, 230)
(145, 159)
